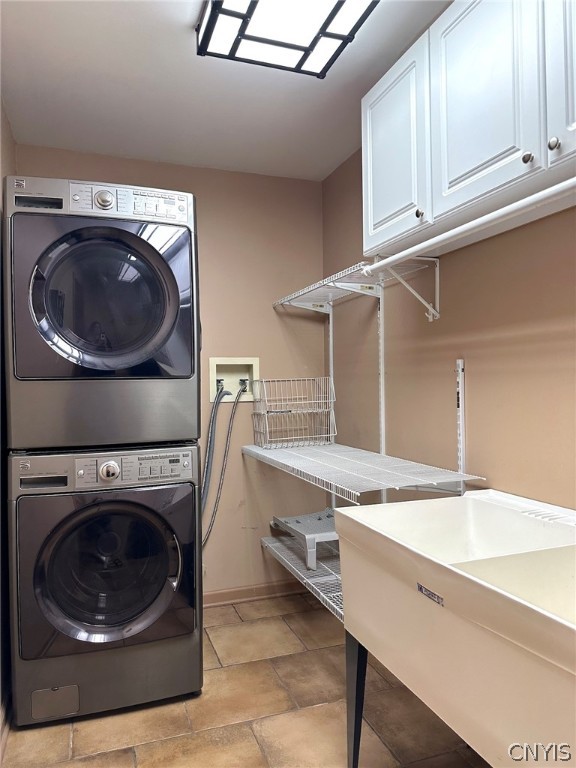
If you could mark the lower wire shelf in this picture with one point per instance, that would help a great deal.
(325, 582)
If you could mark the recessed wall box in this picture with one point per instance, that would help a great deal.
(230, 373)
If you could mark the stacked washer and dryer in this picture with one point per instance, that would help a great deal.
(101, 361)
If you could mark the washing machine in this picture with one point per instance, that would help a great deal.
(101, 314)
(105, 580)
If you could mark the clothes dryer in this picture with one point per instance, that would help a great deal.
(101, 314)
(105, 580)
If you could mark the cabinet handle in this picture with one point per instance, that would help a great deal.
(419, 213)
(527, 157)
(554, 143)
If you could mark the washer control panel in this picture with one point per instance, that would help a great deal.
(128, 201)
(60, 473)
(133, 469)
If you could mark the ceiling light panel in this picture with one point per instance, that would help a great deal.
(296, 35)
(290, 22)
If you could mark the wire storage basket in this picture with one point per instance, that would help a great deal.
(293, 412)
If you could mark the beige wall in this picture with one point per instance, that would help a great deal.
(356, 320)
(260, 238)
(8, 148)
(508, 307)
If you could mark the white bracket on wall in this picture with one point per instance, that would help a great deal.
(433, 312)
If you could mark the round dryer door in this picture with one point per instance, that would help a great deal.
(103, 298)
(107, 572)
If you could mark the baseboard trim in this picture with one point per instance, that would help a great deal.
(243, 594)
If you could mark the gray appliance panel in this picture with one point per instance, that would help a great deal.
(111, 679)
(62, 414)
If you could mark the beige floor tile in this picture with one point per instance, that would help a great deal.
(317, 677)
(411, 730)
(210, 659)
(230, 747)
(473, 758)
(316, 629)
(384, 671)
(271, 606)
(450, 760)
(252, 640)
(119, 758)
(312, 601)
(315, 737)
(236, 694)
(129, 727)
(220, 614)
(31, 746)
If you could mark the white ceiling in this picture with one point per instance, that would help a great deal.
(122, 78)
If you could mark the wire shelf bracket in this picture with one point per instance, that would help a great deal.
(323, 295)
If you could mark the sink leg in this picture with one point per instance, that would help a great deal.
(356, 658)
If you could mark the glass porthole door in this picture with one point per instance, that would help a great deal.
(108, 572)
(103, 298)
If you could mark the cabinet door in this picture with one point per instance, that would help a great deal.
(396, 150)
(485, 99)
(560, 25)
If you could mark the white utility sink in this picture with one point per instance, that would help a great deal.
(471, 601)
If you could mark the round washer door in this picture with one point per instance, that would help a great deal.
(107, 572)
(103, 298)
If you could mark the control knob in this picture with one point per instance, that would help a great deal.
(104, 199)
(109, 470)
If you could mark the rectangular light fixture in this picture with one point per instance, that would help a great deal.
(304, 36)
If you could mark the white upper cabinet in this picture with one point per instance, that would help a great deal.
(560, 26)
(396, 150)
(486, 97)
(478, 114)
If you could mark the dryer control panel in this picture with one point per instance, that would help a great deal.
(144, 203)
(33, 473)
(99, 199)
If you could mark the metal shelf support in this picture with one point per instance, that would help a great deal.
(433, 312)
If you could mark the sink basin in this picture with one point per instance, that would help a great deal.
(471, 602)
(544, 579)
(475, 526)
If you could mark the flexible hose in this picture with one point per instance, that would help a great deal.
(223, 470)
(206, 474)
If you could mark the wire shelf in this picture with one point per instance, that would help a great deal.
(346, 284)
(349, 472)
(324, 583)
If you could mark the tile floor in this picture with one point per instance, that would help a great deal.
(273, 697)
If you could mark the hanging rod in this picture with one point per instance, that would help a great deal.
(557, 198)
